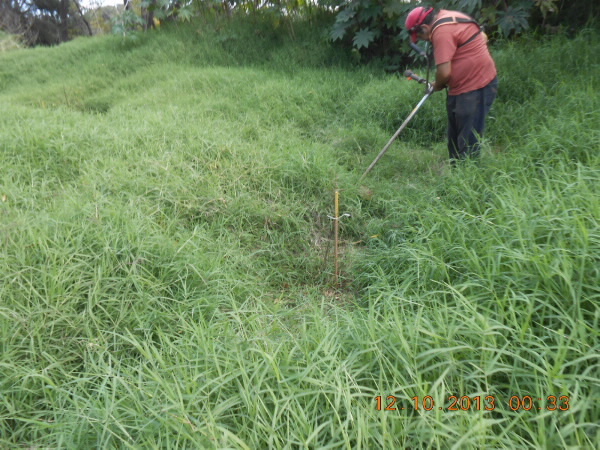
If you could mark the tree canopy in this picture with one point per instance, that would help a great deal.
(376, 27)
(373, 28)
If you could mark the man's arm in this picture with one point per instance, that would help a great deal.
(442, 76)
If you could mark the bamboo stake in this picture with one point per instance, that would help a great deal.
(337, 230)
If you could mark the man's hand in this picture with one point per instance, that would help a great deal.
(442, 76)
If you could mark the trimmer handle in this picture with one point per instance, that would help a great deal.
(417, 49)
(413, 76)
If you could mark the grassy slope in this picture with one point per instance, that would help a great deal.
(166, 257)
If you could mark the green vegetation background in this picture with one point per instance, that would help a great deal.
(166, 254)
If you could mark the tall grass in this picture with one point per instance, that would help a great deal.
(166, 263)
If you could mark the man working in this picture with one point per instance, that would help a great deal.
(465, 66)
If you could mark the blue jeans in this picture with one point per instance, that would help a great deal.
(466, 120)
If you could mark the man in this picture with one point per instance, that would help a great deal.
(465, 66)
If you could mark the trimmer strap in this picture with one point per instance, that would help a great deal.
(450, 20)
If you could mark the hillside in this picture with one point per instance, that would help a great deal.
(167, 262)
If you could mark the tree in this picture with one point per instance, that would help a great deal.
(146, 14)
(375, 28)
(45, 22)
(15, 20)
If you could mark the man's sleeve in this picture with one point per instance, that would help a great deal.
(444, 45)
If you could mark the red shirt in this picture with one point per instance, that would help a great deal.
(472, 66)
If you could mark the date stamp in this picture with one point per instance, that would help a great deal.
(474, 403)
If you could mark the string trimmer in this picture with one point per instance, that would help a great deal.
(411, 76)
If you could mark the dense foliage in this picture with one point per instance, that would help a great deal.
(372, 27)
(376, 28)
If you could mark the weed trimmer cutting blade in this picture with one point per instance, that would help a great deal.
(411, 76)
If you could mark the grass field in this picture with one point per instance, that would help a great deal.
(167, 261)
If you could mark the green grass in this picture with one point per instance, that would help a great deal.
(9, 42)
(166, 254)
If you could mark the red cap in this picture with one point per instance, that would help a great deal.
(415, 19)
